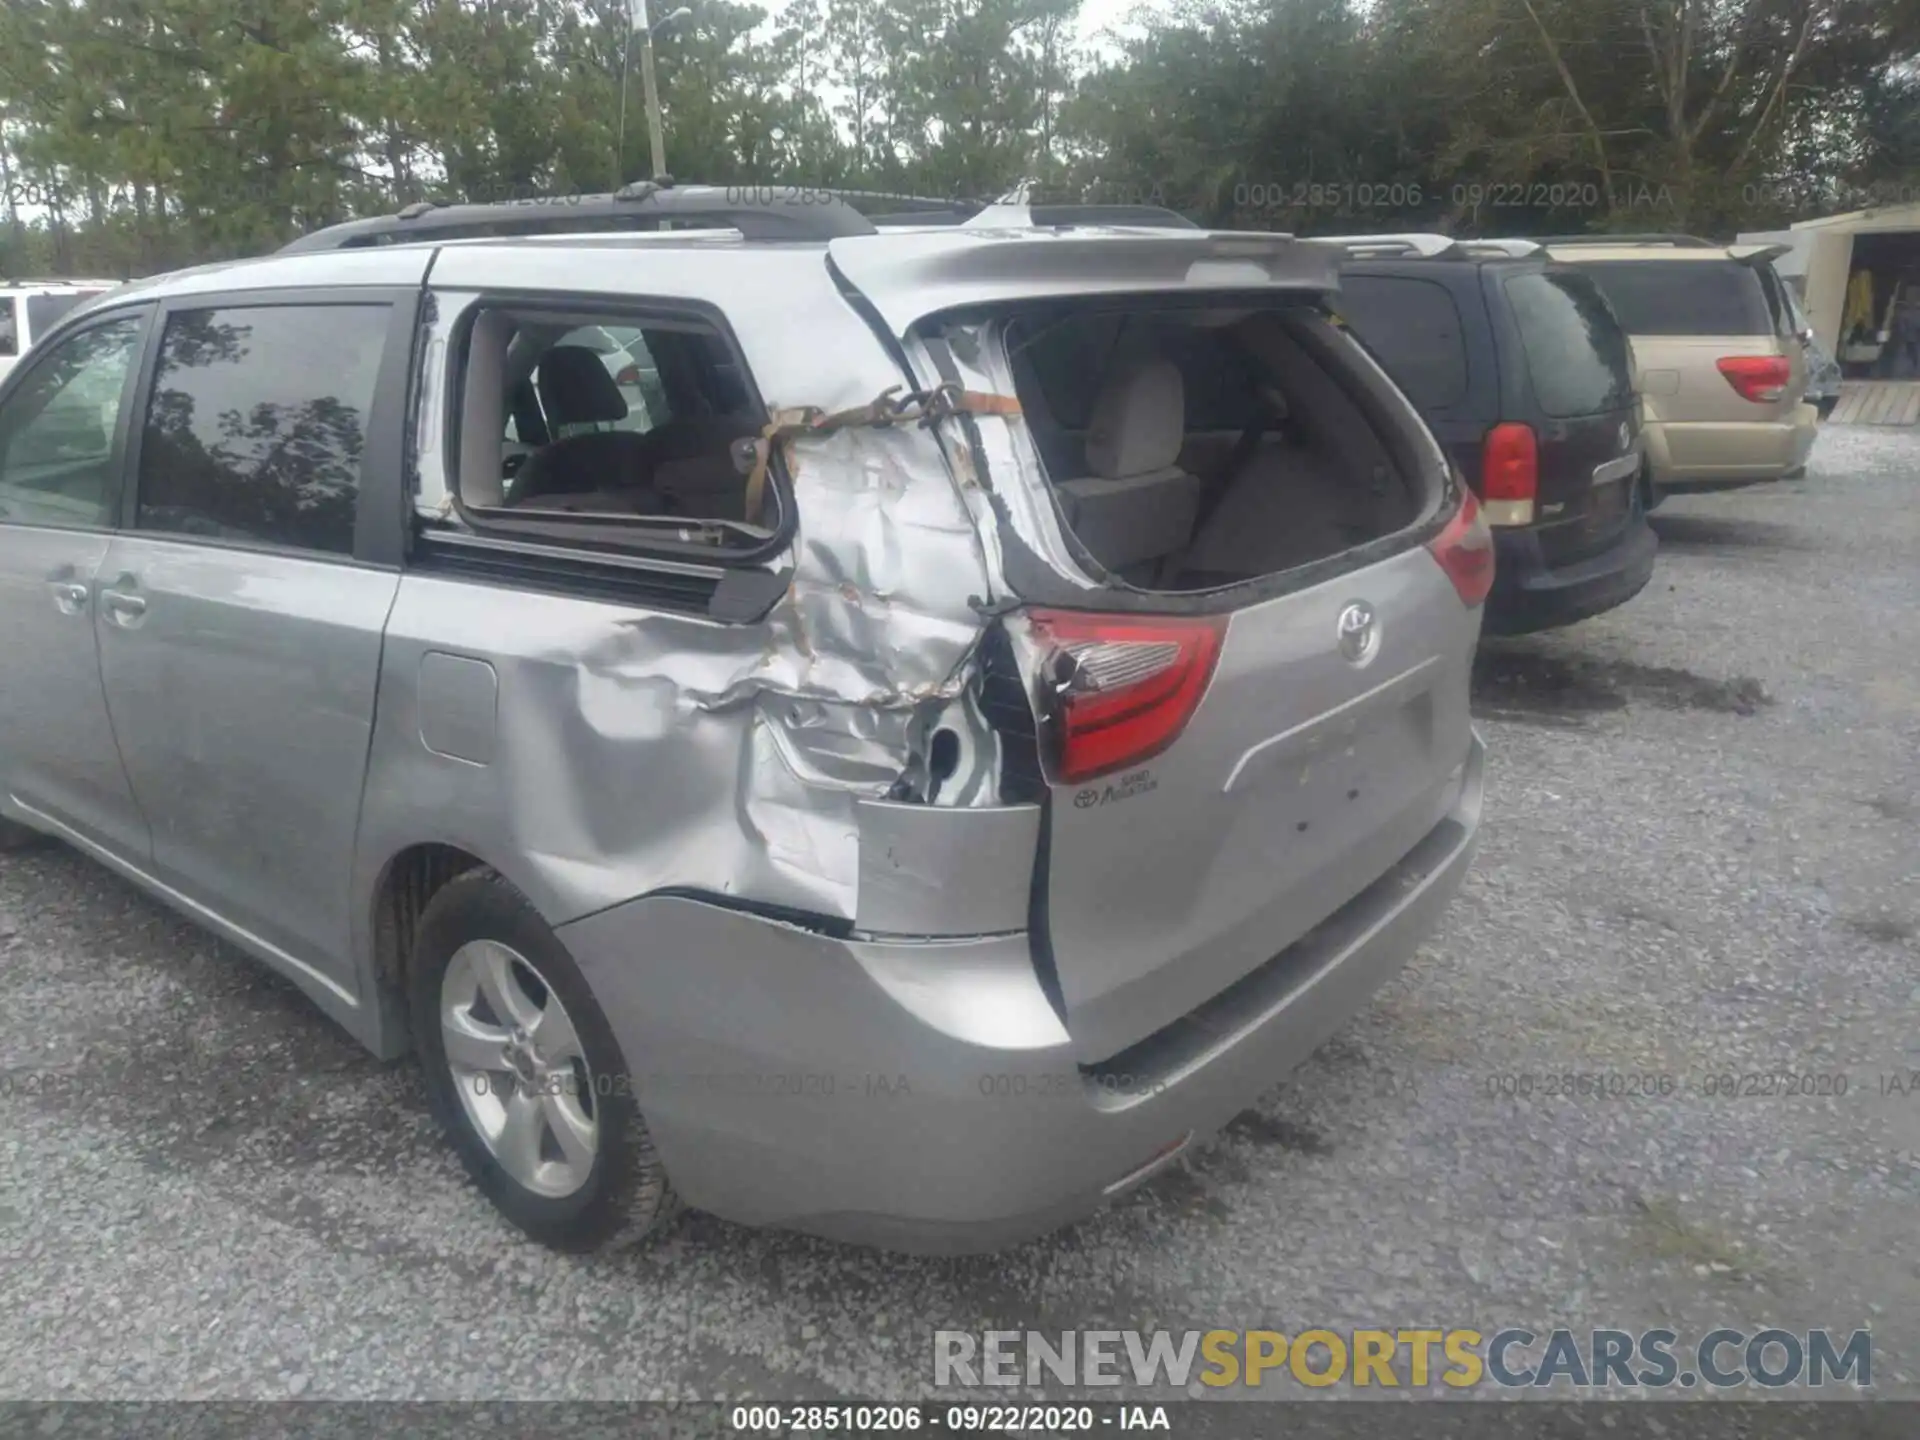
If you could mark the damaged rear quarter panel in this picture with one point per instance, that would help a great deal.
(638, 750)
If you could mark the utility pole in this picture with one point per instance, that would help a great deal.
(638, 22)
(652, 89)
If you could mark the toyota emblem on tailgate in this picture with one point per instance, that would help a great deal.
(1359, 633)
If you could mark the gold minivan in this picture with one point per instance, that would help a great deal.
(1720, 368)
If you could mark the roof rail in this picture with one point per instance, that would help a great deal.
(1428, 247)
(21, 282)
(758, 212)
(1156, 217)
(899, 203)
(956, 216)
(1514, 248)
(1681, 242)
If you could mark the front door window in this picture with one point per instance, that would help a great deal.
(56, 430)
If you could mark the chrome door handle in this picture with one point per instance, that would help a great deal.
(119, 603)
(71, 598)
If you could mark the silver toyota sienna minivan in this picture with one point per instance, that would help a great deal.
(941, 726)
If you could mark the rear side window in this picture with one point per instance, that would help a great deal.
(9, 327)
(1577, 354)
(1683, 297)
(567, 419)
(43, 310)
(257, 424)
(1414, 328)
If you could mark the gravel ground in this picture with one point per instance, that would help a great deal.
(1700, 858)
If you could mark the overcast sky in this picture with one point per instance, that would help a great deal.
(1099, 15)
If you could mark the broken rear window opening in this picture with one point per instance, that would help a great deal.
(610, 428)
(1193, 449)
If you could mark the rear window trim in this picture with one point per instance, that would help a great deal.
(635, 537)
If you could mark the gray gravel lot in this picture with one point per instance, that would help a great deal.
(1701, 857)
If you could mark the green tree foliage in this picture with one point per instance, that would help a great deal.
(136, 135)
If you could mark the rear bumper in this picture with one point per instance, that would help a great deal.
(1694, 456)
(924, 1096)
(1530, 594)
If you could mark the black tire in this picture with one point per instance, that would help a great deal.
(1650, 497)
(626, 1193)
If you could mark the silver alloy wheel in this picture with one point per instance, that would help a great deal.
(519, 1067)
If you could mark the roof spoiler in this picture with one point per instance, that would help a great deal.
(758, 212)
(1758, 254)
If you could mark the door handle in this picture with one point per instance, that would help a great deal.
(122, 605)
(70, 598)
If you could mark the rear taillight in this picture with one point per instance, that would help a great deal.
(629, 375)
(1121, 688)
(1759, 378)
(1510, 474)
(1465, 551)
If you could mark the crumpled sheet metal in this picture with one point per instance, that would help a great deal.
(642, 750)
(1022, 498)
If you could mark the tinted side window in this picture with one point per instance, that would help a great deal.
(1414, 328)
(1683, 297)
(9, 327)
(1577, 354)
(257, 424)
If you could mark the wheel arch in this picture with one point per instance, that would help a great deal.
(406, 885)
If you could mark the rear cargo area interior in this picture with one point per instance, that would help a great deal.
(1190, 449)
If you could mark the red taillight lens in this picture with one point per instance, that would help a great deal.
(629, 375)
(1465, 551)
(1759, 378)
(1510, 463)
(1122, 687)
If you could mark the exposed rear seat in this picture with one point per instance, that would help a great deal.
(1138, 506)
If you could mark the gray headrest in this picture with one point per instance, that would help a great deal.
(576, 388)
(1139, 421)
